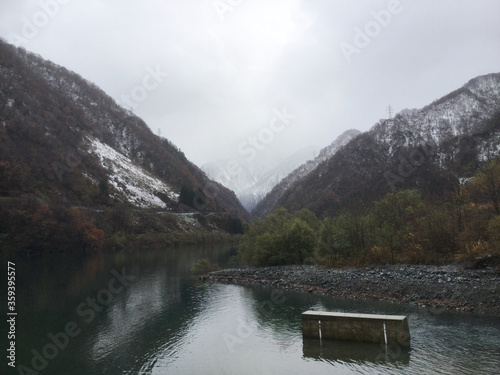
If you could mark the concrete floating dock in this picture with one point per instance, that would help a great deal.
(373, 328)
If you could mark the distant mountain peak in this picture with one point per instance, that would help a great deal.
(254, 180)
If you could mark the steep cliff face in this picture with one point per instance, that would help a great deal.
(62, 137)
(432, 149)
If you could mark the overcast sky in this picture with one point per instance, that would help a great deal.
(291, 73)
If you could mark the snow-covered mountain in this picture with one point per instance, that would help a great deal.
(237, 179)
(252, 181)
(432, 149)
(459, 114)
(129, 180)
(266, 204)
(63, 138)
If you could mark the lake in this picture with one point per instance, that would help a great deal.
(143, 312)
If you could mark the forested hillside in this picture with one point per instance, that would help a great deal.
(401, 227)
(63, 141)
(270, 200)
(432, 149)
(57, 131)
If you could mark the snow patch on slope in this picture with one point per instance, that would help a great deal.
(137, 185)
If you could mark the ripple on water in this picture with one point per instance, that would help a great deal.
(224, 331)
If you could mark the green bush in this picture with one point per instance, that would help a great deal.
(278, 239)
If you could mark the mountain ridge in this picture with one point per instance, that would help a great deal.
(430, 148)
(55, 127)
(267, 203)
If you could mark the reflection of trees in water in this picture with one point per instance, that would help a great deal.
(50, 279)
(157, 309)
(153, 311)
(276, 314)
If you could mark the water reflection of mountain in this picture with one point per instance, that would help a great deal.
(165, 321)
(142, 320)
(152, 320)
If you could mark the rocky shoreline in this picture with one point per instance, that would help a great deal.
(451, 287)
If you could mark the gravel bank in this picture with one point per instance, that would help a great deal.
(450, 287)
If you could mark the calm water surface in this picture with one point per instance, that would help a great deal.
(165, 321)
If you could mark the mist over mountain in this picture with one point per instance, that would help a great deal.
(433, 149)
(62, 138)
(251, 181)
(271, 199)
